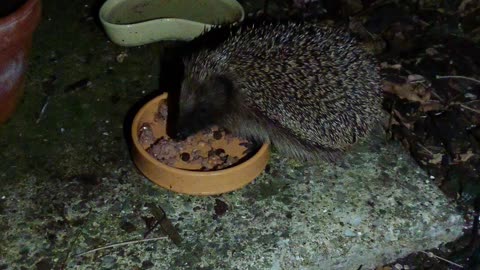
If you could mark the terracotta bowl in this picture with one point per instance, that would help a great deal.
(187, 181)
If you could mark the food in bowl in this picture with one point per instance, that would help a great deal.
(208, 150)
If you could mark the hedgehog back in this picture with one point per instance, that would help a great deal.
(311, 80)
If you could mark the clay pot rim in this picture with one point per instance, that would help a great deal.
(136, 144)
(19, 14)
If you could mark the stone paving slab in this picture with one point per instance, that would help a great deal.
(372, 208)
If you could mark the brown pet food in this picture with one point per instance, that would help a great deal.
(170, 152)
(217, 135)
(145, 135)
(185, 156)
(162, 113)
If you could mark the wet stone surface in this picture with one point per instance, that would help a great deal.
(68, 184)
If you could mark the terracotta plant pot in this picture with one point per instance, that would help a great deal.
(16, 31)
(187, 181)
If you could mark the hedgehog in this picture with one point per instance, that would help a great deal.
(308, 89)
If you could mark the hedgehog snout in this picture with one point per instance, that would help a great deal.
(185, 128)
(181, 134)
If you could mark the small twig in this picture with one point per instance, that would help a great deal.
(425, 148)
(430, 254)
(42, 111)
(121, 244)
(470, 109)
(434, 93)
(458, 77)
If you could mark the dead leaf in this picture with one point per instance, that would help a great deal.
(463, 4)
(470, 96)
(475, 34)
(370, 42)
(431, 51)
(415, 93)
(466, 156)
(432, 105)
(356, 26)
(385, 65)
(121, 57)
(436, 159)
(375, 45)
(415, 78)
(166, 225)
(405, 143)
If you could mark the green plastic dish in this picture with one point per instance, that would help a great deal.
(139, 22)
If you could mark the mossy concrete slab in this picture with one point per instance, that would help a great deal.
(68, 184)
(372, 208)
